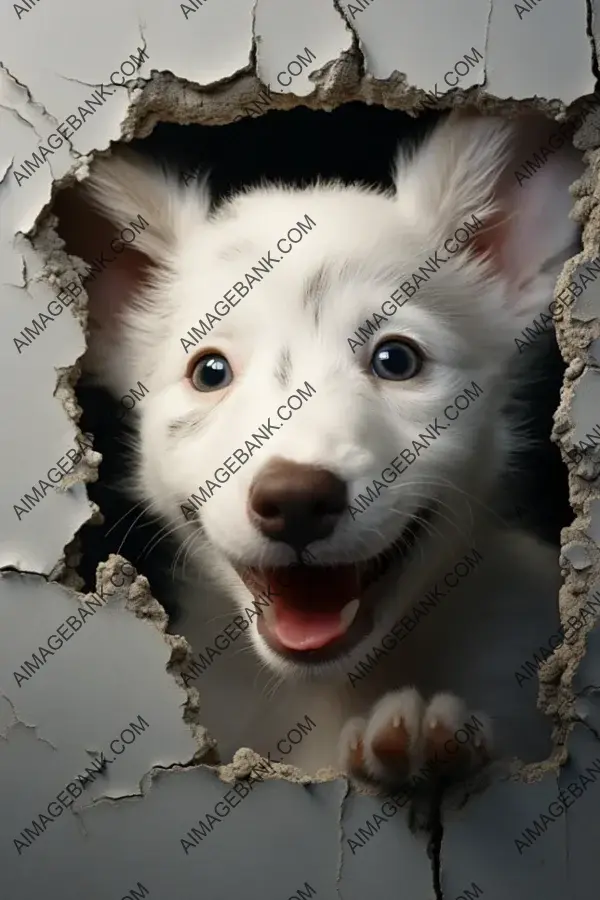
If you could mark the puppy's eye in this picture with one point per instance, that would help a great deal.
(396, 360)
(211, 372)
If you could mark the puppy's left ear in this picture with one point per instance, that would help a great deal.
(514, 176)
(127, 220)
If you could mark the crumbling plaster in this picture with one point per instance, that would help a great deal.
(125, 827)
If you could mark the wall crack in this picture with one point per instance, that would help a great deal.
(37, 105)
(590, 33)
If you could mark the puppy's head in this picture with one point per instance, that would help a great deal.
(325, 367)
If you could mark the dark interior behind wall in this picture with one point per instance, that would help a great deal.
(353, 143)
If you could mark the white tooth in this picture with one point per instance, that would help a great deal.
(270, 617)
(348, 613)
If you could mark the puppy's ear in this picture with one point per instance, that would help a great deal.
(126, 221)
(475, 165)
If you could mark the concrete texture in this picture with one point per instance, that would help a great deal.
(121, 835)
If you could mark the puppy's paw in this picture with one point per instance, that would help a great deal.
(406, 741)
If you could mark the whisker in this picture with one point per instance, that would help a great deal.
(179, 551)
(161, 536)
(124, 516)
(128, 532)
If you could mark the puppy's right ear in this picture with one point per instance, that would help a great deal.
(126, 221)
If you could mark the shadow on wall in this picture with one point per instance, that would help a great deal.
(353, 143)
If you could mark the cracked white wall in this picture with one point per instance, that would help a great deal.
(80, 699)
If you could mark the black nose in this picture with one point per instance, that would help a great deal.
(296, 503)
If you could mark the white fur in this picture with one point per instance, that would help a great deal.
(465, 318)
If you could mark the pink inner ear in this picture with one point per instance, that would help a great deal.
(489, 240)
(110, 291)
(88, 235)
(492, 242)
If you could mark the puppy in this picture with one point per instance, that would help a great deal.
(327, 370)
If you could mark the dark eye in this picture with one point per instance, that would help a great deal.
(211, 373)
(396, 360)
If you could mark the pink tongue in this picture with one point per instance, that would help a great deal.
(298, 630)
(307, 605)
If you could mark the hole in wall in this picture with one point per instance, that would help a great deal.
(353, 143)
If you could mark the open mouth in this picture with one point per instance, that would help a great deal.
(318, 612)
